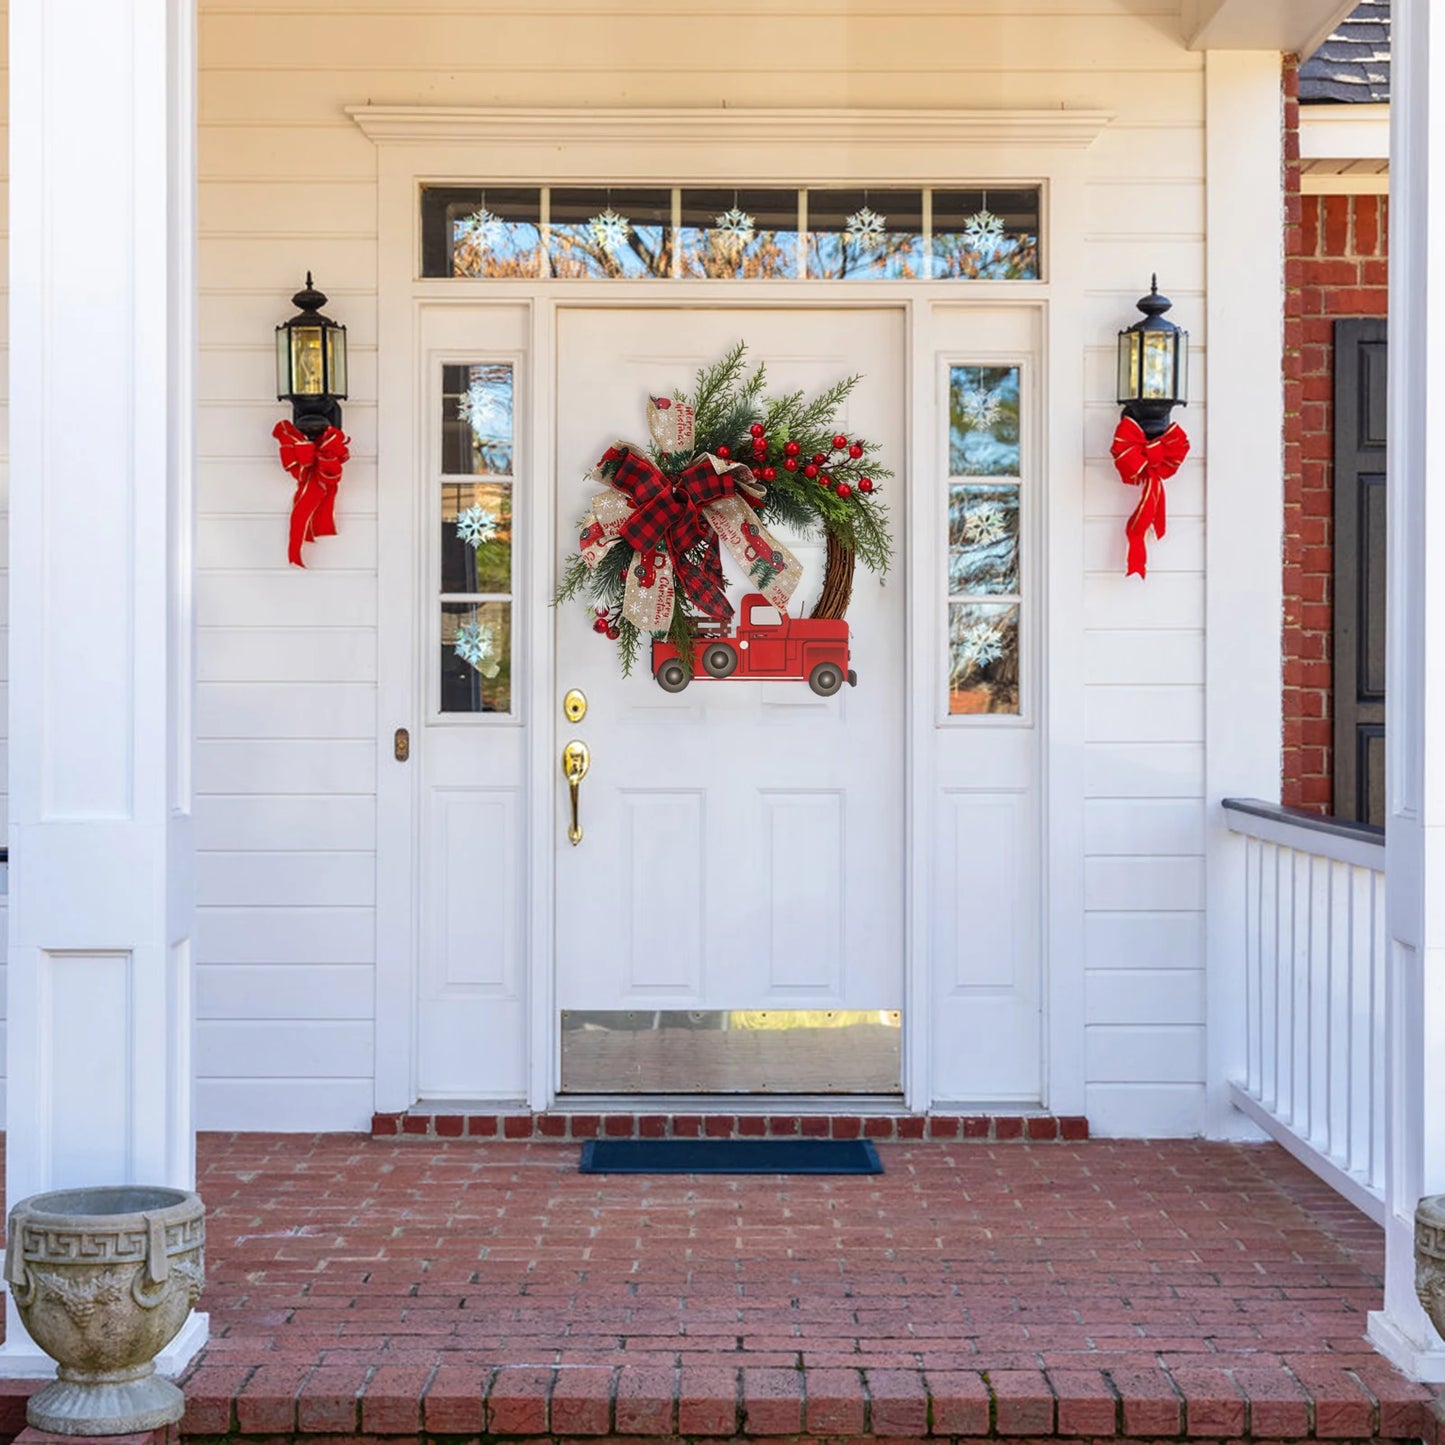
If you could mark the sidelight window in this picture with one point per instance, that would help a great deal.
(985, 594)
(476, 582)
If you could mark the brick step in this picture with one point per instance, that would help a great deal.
(1236, 1400)
(422, 1123)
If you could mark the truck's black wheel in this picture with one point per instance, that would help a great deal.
(826, 678)
(672, 676)
(719, 660)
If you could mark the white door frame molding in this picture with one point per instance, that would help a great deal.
(417, 145)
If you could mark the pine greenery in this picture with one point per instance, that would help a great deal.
(727, 400)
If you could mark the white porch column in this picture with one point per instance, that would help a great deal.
(1415, 727)
(102, 316)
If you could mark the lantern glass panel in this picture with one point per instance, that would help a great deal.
(283, 363)
(336, 361)
(1128, 366)
(1158, 375)
(1181, 367)
(308, 363)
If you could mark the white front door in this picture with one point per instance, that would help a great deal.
(743, 841)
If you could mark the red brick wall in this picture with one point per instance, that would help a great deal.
(1335, 266)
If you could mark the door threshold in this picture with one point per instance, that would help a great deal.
(744, 1105)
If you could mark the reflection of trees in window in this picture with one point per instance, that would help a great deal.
(983, 421)
(866, 234)
(715, 255)
(983, 647)
(1015, 258)
(486, 565)
(983, 536)
(729, 233)
(513, 249)
(895, 256)
(486, 407)
(575, 252)
(609, 233)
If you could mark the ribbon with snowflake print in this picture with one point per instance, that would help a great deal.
(674, 525)
(316, 466)
(1146, 463)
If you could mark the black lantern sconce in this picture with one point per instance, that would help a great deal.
(311, 364)
(1153, 365)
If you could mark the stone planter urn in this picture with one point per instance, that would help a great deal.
(1430, 1259)
(104, 1279)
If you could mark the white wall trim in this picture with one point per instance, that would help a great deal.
(1244, 513)
(416, 144)
(1345, 132)
(523, 132)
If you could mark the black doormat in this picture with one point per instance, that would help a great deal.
(730, 1156)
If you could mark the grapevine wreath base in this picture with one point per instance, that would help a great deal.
(725, 465)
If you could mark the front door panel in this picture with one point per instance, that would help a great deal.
(742, 850)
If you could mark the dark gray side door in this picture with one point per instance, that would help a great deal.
(1359, 590)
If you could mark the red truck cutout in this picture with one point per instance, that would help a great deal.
(815, 648)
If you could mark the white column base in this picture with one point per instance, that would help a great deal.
(1421, 1361)
(22, 1359)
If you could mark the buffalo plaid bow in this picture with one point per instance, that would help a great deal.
(669, 510)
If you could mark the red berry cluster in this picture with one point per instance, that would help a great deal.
(604, 625)
(793, 461)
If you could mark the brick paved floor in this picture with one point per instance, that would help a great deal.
(1091, 1289)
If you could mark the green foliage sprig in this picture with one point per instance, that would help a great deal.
(727, 401)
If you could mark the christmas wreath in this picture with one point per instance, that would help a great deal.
(725, 463)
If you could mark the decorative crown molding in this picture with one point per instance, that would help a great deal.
(857, 129)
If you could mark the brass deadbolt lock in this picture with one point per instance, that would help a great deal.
(574, 705)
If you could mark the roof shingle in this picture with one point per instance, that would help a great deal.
(1354, 63)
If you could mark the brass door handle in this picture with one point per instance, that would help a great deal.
(576, 759)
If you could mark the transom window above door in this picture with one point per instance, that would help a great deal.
(600, 233)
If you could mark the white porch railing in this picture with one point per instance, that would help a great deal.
(1314, 959)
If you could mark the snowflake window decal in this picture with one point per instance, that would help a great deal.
(476, 525)
(735, 228)
(476, 645)
(983, 233)
(482, 229)
(982, 408)
(483, 411)
(865, 228)
(986, 526)
(980, 643)
(609, 229)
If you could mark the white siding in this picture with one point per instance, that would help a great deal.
(286, 717)
(4, 505)
(1144, 643)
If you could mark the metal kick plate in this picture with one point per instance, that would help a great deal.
(732, 1051)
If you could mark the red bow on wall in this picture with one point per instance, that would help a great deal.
(1147, 464)
(316, 465)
